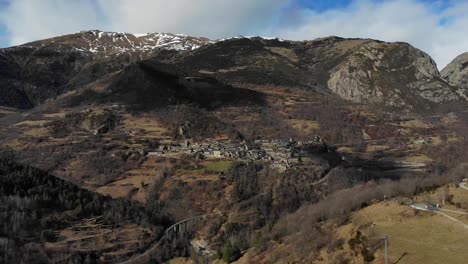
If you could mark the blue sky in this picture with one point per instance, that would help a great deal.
(3, 32)
(322, 5)
(435, 26)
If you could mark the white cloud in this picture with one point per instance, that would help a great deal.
(413, 21)
(28, 20)
(210, 18)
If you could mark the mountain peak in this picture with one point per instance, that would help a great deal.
(104, 43)
(456, 72)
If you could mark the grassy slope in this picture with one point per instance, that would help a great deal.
(423, 237)
(414, 236)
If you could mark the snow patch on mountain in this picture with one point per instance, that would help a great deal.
(108, 43)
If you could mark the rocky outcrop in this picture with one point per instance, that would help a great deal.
(456, 73)
(393, 74)
(390, 75)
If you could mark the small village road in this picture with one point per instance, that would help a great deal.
(463, 185)
(453, 211)
(437, 211)
(453, 219)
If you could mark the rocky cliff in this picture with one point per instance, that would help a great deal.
(456, 73)
(393, 75)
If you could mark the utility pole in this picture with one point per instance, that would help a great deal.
(386, 248)
(385, 239)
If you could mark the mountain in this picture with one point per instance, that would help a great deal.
(456, 73)
(34, 72)
(394, 75)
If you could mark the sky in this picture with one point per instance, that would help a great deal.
(438, 27)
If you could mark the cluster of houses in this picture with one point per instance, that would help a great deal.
(281, 153)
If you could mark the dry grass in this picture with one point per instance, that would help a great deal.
(192, 177)
(180, 261)
(217, 166)
(144, 126)
(418, 159)
(415, 124)
(7, 110)
(16, 144)
(374, 148)
(55, 115)
(232, 69)
(36, 132)
(135, 183)
(459, 195)
(420, 238)
(32, 123)
(133, 186)
(90, 235)
(305, 126)
(288, 53)
(344, 150)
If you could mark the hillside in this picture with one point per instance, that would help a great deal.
(34, 72)
(414, 236)
(45, 219)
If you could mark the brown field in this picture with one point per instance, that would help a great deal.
(305, 126)
(144, 126)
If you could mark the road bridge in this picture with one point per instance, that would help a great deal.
(171, 234)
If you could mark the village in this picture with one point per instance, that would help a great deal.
(282, 154)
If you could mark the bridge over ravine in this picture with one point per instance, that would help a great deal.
(171, 234)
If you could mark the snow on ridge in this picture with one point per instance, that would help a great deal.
(139, 35)
(250, 37)
(120, 42)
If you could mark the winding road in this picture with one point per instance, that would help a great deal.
(424, 207)
(453, 211)
(452, 218)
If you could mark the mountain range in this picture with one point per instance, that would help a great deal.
(395, 75)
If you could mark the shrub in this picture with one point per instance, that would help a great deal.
(231, 252)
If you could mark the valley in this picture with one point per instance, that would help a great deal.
(283, 151)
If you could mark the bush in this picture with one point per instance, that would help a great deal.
(231, 252)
